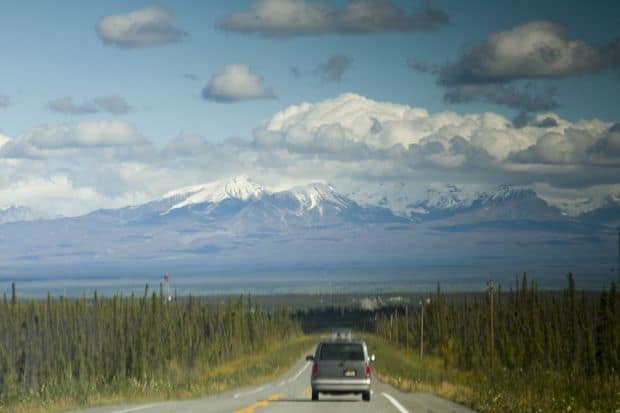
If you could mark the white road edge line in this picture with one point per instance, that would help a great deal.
(247, 393)
(296, 376)
(282, 383)
(135, 409)
(395, 402)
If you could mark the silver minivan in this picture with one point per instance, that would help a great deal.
(341, 366)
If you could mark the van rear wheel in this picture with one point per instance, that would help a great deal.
(315, 395)
(366, 396)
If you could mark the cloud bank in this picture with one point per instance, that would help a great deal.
(350, 141)
(284, 18)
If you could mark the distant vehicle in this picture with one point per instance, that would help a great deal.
(341, 366)
(342, 334)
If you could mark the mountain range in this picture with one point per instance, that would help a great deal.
(237, 223)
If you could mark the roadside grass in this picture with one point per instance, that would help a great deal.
(406, 371)
(173, 383)
(504, 391)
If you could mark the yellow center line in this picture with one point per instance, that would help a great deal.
(260, 403)
(306, 391)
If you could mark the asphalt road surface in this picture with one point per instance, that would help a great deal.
(291, 394)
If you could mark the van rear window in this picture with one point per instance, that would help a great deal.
(342, 351)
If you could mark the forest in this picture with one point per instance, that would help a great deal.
(74, 348)
(520, 349)
(524, 349)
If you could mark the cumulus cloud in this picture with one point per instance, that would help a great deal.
(476, 148)
(333, 69)
(534, 50)
(151, 26)
(236, 83)
(574, 147)
(301, 17)
(116, 105)
(4, 102)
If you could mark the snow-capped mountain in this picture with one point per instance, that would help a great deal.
(439, 201)
(238, 222)
(21, 213)
(239, 187)
(239, 204)
(315, 196)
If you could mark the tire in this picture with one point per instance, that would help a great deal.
(366, 396)
(315, 395)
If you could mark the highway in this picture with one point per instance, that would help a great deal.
(291, 393)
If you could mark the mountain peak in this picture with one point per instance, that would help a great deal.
(313, 195)
(239, 187)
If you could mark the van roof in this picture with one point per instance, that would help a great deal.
(335, 340)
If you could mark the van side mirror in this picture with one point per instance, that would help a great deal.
(309, 357)
(372, 358)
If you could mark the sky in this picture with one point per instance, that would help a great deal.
(110, 103)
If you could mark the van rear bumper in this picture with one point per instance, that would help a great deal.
(340, 385)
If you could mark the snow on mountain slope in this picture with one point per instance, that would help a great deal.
(414, 200)
(252, 205)
(239, 187)
(314, 196)
(438, 201)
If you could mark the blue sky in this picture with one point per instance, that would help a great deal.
(51, 50)
(59, 72)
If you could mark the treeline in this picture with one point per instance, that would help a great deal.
(59, 347)
(568, 336)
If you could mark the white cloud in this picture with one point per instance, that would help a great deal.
(150, 26)
(487, 71)
(236, 83)
(533, 50)
(381, 125)
(364, 137)
(4, 139)
(350, 141)
(101, 138)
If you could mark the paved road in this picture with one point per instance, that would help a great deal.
(291, 393)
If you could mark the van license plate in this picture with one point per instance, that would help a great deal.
(349, 373)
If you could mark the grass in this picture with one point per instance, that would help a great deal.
(502, 392)
(406, 371)
(176, 383)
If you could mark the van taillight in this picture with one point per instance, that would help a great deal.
(315, 370)
(367, 370)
